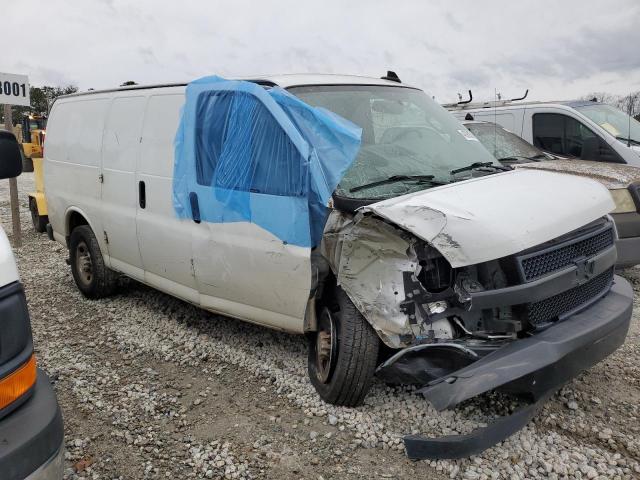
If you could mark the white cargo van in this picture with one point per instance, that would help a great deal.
(429, 246)
(576, 129)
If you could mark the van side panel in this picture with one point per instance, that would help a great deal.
(242, 264)
(120, 148)
(238, 269)
(72, 166)
(164, 239)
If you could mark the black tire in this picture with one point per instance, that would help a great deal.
(27, 164)
(348, 378)
(39, 221)
(90, 273)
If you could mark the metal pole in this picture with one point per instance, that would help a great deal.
(13, 187)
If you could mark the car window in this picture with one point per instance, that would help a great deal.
(614, 121)
(240, 146)
(564, 135)
(502, 143)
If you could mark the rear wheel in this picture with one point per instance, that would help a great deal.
(90, 273)
(39, 221)
(343, 353)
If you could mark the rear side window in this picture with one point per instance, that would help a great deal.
(240, 146)
(563, 135)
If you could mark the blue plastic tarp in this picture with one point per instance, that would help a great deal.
(263, 156)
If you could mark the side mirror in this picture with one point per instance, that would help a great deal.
(10, 156)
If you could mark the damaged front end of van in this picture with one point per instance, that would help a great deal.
(475, 293)
(475, 278)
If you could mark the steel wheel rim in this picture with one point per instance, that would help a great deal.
(326, 346)
(84, 265)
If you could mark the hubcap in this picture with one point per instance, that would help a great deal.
(326, 346)
(84, 266)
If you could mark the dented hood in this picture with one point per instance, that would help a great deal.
(493, 216)
(611, 175)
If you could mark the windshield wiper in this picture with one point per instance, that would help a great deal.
(517, 158)
(475, 165)
(628, 140)
(398, 178)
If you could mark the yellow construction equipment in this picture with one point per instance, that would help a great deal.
(33, 136)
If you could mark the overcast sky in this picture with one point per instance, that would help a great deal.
(557, 49)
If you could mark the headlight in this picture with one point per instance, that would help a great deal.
(624, 202)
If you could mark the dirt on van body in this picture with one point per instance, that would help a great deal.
(151, 387)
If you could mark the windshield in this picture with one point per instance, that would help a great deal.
(614, 121)
(404, 134)
(503, 144)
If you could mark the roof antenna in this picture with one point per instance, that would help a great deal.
(631, 102)
(520, 98)
(391, 76)
(495, 123)
(462, 102)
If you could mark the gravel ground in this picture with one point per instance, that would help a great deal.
(151, 387)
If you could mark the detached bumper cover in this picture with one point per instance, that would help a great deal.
(31, 437)
(537, 365)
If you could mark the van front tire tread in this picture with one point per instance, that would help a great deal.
(358, 347)
(104, 280)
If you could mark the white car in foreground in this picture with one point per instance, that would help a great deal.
(472, 276)
(31, 430)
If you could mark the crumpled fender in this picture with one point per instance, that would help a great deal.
(368, 257)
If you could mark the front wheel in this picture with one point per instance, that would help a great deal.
(343, 353)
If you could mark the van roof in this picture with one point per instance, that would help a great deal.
(280, 80)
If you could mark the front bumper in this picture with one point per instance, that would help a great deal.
(537, 366)
(628, 252)
(31, 437)
(52, 469)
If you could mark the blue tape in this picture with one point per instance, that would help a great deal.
(262, 156)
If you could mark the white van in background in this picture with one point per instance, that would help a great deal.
(430, 247)
(577, 129)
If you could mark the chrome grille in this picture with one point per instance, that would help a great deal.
(538, 264)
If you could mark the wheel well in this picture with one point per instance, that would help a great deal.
(75, 220)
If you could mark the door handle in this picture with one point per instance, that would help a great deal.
(195, 207)
(142, 194)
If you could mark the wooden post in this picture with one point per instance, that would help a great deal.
(13, 187)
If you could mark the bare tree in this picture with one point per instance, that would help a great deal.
(602, 97)
(630, 104)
